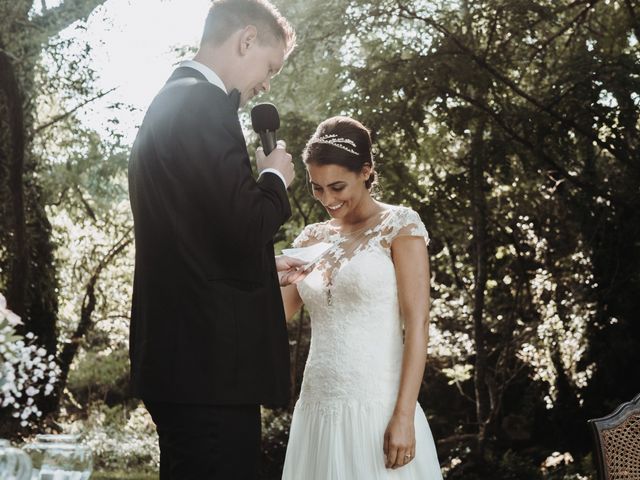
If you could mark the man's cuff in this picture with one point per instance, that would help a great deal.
(273, 170)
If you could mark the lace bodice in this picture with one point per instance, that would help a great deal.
(352, 298)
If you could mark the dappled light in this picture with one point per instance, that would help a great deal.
(510, 128)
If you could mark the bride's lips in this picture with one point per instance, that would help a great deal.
(334, 208)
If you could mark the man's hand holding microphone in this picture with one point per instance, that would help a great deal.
(279, 159)
(273, 155)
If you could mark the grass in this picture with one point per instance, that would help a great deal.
(123, 476)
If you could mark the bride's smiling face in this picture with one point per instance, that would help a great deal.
(339, 190)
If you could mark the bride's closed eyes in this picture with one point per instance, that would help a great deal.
(318, 188)
(336, 186)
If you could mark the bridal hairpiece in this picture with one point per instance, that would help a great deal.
(336, 141)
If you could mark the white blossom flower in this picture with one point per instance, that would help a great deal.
(26, 369)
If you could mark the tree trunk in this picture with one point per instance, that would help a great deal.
(70, 349)
(27, 268)
(479, 229)
(12, 151)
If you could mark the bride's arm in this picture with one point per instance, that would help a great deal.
(289, 273)
(291, 300)
(411, 261)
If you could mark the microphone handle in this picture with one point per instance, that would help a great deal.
(268, 140)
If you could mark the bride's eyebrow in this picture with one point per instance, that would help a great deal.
(330, 185)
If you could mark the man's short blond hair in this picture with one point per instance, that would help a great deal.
(228, 16)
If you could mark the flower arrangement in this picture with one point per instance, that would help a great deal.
(27, 371)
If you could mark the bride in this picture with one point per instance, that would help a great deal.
(357, 417)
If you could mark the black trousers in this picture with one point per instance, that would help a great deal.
(207, 442)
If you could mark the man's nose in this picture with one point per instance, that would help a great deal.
(266, 86)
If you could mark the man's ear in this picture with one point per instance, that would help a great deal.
(248, 36)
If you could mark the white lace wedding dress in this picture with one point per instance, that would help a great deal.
(352, 374)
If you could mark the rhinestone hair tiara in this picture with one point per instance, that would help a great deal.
(336, 141)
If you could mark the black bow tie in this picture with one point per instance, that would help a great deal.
(234, 98)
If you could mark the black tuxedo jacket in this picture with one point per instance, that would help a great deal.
(207, 321)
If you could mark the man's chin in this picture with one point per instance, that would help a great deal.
(245, 100)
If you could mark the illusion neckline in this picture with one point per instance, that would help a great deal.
(373, 221)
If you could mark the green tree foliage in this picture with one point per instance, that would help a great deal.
(64, 220)
(510, 126)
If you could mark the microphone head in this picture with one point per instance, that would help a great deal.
(264, 117)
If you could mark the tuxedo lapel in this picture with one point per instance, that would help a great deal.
(234, 98)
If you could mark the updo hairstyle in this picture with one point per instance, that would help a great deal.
(331, 145)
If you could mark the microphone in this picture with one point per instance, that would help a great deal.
(265, 121)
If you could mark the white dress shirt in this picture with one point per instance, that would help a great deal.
(212, 77)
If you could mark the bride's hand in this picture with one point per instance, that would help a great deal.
(290, 270)
(399, 441)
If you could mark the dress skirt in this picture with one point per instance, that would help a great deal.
(344, 440)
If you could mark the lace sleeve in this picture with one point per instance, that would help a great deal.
(308, 236)
(407, 223)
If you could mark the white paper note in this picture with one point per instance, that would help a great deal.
(308, 254)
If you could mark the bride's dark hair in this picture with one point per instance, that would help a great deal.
(341, 141)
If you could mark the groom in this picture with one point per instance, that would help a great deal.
(208, 338)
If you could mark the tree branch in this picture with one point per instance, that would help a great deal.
(562, 30)
(53, 20)
(492, 32)
(305, 216)
(64, 115)
(574, 179)
(70, 348)
(464, 437)
(635, 24)
(482, 63)
(85, 203)
(453, 258)
(555, 13)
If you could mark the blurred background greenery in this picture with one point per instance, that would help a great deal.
(511, 126)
